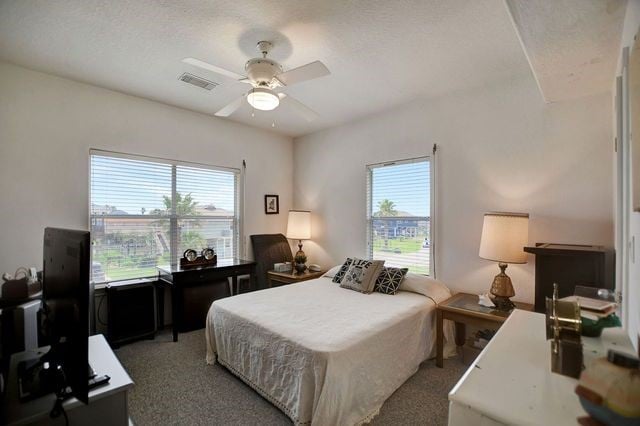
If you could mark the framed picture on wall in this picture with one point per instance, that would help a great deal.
(271, 204)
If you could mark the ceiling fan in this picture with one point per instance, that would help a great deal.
(266, 76)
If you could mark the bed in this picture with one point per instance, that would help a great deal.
(323, 354)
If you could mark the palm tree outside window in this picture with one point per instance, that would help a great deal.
(399, 214)
(144, 212)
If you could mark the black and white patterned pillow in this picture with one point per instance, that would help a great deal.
(389, 280)
(361, 275)
(337, 278)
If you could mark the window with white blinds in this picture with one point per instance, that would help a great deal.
(144, 212)
(399, 214)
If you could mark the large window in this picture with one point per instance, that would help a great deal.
(399, 214)
(145, 212)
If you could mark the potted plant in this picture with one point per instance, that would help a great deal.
(300, 262)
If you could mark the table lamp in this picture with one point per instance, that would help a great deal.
(299, 228)
(504, 236)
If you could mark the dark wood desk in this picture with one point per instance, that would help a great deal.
(179, 279)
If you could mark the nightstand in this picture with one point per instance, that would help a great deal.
(463, 308)
(280, 278)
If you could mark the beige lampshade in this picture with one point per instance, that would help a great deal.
(504, 236)
(299, 225)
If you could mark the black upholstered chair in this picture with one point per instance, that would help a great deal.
(267, 250)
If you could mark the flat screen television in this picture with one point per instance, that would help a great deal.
(64, 369)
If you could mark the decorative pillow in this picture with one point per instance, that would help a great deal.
(362, 274)
(337, 278)
(389, 280)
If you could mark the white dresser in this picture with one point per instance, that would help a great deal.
(511, 380)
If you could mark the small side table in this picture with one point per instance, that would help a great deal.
(280, 278)
(463, 308)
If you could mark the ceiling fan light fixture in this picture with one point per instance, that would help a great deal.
(263, 99)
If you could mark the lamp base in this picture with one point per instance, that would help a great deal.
(300, 260)
(503, 303)
(502, 290)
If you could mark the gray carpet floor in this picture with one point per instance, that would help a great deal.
(174, 385)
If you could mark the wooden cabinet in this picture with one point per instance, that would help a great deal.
(570, 265)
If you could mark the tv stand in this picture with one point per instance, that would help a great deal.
(36, 378)
(41, 376)
(107, 400)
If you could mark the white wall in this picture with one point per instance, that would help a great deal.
(48, 124)
(632, 296)
(500, 148)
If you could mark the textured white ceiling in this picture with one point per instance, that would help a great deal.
(380, 52)
(572, 45)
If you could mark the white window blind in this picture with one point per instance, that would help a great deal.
(399, 214)
(144, 212)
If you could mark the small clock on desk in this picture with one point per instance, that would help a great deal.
(190, 258)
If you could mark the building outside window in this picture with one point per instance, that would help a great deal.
(144, 212)
(399, 219)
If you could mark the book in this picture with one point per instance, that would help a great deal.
(596, 305)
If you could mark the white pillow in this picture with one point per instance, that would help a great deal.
(333, 271)
(426, 286)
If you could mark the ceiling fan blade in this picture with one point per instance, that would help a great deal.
(230, 108)
(306, 112)
(305, 72)
(204, 65)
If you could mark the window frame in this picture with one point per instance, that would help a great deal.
(173, 217)
(432, 197)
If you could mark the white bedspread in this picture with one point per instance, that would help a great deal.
(323, 354)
